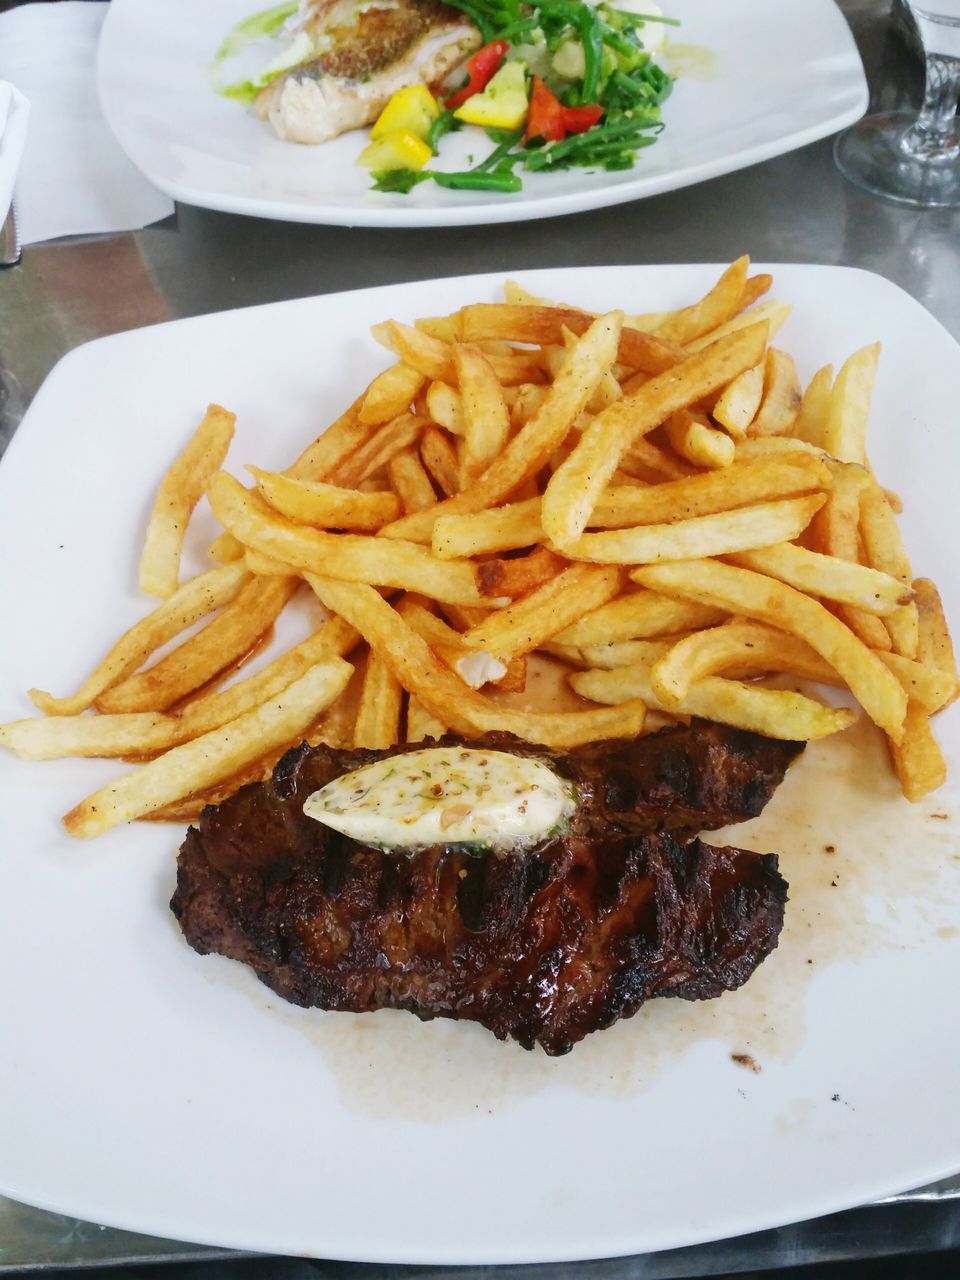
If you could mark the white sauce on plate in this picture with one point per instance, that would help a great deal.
(446, 795)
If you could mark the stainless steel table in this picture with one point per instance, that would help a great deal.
(794, 209)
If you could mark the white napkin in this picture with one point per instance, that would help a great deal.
(14, 111)
(73, 179)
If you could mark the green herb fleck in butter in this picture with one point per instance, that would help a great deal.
(446, 795)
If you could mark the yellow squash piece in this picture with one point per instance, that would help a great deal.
(399, 149)
(503, 103)
(413, 108)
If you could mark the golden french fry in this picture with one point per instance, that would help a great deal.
(445, 696)
(574, 488)
(537, 617)
(485, 415)
(934, 646)
(714, 309)
(917, 758)
(930, 688)
(420, 723)
(743, 591)
(776, 713)
(410, 482)
(444, 406)
(517, 576)
(649, 463)
(376, 452)
(757, 447)
(193, 601)
(485, 532)
(845, 430)
(535, 443)
(737, 405)
(390, 394)
(827, 576)
(342, 438)
(721, 534)
(691, 436)
(221, 644)
(351, 557)
(180, 491)
(474, 668)
(637, 616)
(738, 649)
(378, 716)
(199, 763)
(325, 505)
(771, 314)
(810, 423)
(885, 551)
(781, 396)
(440, 460)
(545, 325)
(622, 653)
(445, 327)
(51, 737)
(434, 357)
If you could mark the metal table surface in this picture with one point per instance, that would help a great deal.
(793, 209)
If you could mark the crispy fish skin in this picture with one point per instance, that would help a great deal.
(371, 53)
(542, 946)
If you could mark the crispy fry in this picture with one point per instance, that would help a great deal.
(742, 591)
(517, 576)
(771, 314)
(777, 713)
(445, 407)
(720, 534)
(690, 435)
(180, 491)
(221, 644)
(637, 616)
(440, 460)
(827, 576)
(930, 688)
(378, 716)
(534, 444)
(475, 669)
(486, 417)
(885, 551)
(410, 482)
(917, 758)
(716, 308)
(573, 490)
(52, 737)
(811, 422)
(434, 357)
(203, 761)
(376, 452)
(352, 557)
(390, 394)
(781, 396)
(737, 405)
(537, 617)
(420, 723)
(845, 430)
(325, 506)
(934, 646)
(193, 601)
(445, 696)
(545, 326)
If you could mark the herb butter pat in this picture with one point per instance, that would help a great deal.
(446, 795)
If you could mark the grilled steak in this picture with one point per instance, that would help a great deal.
(544, 945)
(370, 51)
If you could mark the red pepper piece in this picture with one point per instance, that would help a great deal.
(480, 70)
(549, 119)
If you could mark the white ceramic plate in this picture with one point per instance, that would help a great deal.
(764, 78)
(146, 1087)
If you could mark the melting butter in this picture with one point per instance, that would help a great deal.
(446, 795)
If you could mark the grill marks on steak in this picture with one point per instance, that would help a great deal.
(542, 946)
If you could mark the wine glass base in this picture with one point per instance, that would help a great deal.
(871, 155)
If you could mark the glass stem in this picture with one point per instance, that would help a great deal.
(935, 138)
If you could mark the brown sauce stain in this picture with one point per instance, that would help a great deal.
(747, 1061)
(868, 872)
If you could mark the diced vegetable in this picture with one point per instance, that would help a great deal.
(413, 108)
(503, 103)
(480, 71)
(550, 120)
(400, 149)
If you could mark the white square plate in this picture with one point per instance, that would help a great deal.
(147, 1087)
(766, 77)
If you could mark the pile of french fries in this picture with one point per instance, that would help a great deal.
(649, 504)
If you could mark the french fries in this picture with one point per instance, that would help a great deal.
(646, 504)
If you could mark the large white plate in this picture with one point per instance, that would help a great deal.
(767, 77)
(144, 1086)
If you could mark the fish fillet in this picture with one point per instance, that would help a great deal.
(369, 51)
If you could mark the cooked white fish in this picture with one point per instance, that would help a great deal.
(362, 54)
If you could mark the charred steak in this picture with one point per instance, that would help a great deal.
(543, 945)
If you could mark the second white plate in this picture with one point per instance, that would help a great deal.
(756, 79)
